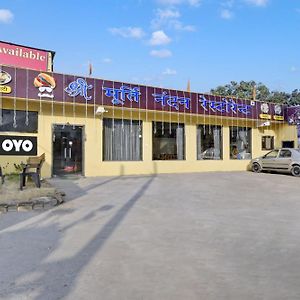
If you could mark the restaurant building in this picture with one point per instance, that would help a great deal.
(98, 127)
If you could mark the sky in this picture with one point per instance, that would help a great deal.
(164, 42)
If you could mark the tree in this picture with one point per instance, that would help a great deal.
(244, 89)
(295, 98)
(279, 97)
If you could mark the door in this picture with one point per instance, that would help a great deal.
(284, 159)
(67, 150)
(269, 160)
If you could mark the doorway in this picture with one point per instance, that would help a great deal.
(67, 150)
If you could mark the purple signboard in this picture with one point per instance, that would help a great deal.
(293, 115)
(31, 84)
(293, 118)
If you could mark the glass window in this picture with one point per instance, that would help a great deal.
(240, 143)
(288, 144)
(168, 141)
(267, 142)
(122, 140)
(272, 154)
(209, 142)
(285, 154)
(8, 121)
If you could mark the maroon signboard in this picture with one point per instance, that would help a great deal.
(293, 115)
(293, 118)
(42, 86)
(25, 57)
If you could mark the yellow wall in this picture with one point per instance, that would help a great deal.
(93, 164)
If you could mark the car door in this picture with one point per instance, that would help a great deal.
(283, 160)
(269, 160)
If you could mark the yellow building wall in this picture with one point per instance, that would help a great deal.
(93, 164)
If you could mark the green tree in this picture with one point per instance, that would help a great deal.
(279, 97)
(295, 98)
(244, 89)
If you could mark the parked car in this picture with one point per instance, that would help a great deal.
(284, 160)
(210, 153)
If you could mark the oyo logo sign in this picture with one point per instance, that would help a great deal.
(18, 145)
(8, 145)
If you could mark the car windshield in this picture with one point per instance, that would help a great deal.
(272, 154)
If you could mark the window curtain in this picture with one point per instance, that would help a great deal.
(199, 142)
(180, 142)
(122, 142)
(217, 146)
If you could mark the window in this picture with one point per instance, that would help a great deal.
(287, 144)
(240, 143)
(285, 153)
(272, 154)
(8, 121)
(267, 142)
(168, 141)
(209, 142)
(122, 140)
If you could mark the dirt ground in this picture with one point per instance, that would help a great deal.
(10, 191)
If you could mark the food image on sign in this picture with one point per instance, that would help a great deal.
(4, 77)
(45, 83)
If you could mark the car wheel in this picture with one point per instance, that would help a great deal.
(296, 170)
(256, 168)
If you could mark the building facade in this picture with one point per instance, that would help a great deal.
(97, 127)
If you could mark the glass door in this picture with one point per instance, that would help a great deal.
(67, 150)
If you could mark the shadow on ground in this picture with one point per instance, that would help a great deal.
(33, 274)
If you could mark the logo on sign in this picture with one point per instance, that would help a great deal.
(278, 113)
(18, 145)
(79, 87)
(277, 109)
(8, 145)
(5, 89)
(264, 108)
(45, 83)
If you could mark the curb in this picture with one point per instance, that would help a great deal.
(40, 203)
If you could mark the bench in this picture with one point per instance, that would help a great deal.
(33, 169)
(2, 176)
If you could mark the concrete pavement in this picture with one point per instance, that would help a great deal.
(185, 236)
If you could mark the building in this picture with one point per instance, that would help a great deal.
(98, 127)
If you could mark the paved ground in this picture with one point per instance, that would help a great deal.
(189, 236)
